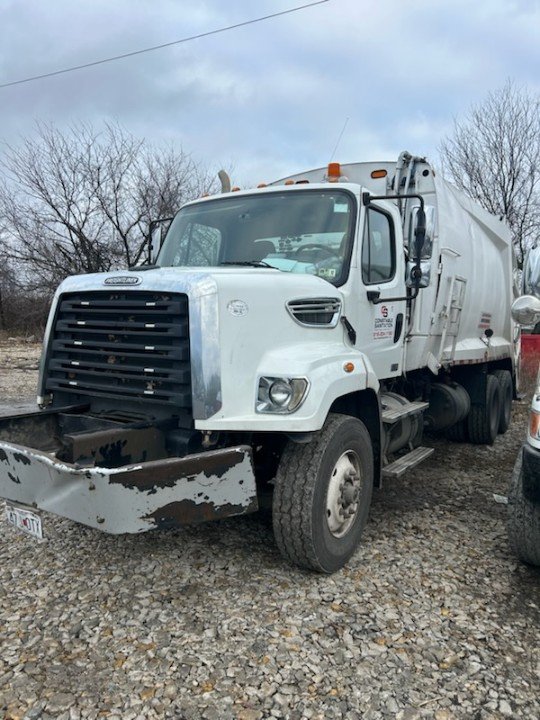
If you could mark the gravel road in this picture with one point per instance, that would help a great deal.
(432, 618)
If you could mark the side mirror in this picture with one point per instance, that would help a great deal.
(420, 233)
(526, 310)
(418, 275)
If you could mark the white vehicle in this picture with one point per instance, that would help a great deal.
(524, 495)
(293, 339)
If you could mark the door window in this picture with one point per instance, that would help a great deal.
(378, 249)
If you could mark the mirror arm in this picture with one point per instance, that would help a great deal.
(374, 296)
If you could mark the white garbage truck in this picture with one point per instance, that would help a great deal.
(289, 343)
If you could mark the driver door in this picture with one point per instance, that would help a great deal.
(381, 324)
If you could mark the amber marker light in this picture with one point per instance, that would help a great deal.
(289, 182)
(378, 174)
(261, 185)
(348, 367)
(334, 172)
(235, 189)
(534, 425)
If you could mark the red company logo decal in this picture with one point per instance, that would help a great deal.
(384, 311)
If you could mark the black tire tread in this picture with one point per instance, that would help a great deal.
(458, 432)
(504, 378)
(523, 519)
(478, 419)
(294, 490)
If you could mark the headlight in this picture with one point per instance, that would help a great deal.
(280, 395)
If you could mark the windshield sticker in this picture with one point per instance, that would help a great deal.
(383, 324)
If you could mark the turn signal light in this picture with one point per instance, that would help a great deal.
(348, 367)
(378, 174)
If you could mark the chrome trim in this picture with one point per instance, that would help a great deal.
(315, 305)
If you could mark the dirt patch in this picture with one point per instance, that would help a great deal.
(19, 361)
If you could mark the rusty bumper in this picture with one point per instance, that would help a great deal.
(132, 499)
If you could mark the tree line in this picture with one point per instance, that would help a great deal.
(81, 201)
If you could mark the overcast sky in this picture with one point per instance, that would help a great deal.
(270, 98)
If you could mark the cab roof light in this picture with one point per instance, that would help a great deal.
(289, 182)
(334, 172)
(235, 188)
(302, 182)
(261, 185)
(378, 174)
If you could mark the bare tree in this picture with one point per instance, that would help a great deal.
(81, 201)
(494, 156)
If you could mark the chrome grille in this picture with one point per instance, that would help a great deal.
(122, 344)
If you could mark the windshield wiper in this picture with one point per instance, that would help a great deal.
(250, 263)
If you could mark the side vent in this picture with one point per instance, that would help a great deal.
(315, 312)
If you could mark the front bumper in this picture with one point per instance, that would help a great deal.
(531, 474)
(134, 498)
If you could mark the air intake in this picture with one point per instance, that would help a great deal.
(316, 312)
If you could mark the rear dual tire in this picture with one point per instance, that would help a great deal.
(484, 417)
(504, 378)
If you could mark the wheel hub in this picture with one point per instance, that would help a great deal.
(342, 502)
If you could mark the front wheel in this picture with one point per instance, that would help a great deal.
(322, 495)
(523, 519)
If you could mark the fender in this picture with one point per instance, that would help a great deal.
(323, 365)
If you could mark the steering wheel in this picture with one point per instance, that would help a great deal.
(315, 246)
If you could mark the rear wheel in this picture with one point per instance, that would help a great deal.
(322, 495)
(504, 378)
(484, 417)
(523, 519)
(459, 432)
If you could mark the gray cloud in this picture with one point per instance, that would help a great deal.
(269, 98)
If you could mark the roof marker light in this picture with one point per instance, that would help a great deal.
(235, 188)
(334, 172)
(261, 185)
(289, 182)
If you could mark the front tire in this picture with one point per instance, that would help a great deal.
(322, 495)
(523, 519)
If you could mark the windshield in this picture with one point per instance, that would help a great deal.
(297, 231)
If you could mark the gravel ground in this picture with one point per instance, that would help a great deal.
(432, 618)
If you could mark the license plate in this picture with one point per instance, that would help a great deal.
(24, 520)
